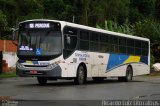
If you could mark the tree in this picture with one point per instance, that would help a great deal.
(116, 10)
(141, 9)
(29, 9)
(150, 29)
(8, 7)
(112, 26)
(3, 23)
(157, 9)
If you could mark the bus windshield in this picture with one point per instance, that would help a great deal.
(39, 43)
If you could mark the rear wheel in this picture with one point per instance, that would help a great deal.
(81, 77)
(129, 75)
(42, 80)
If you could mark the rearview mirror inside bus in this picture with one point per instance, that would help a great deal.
(68, 40)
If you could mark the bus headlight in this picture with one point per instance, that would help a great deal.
(20, 65)
(52, 66)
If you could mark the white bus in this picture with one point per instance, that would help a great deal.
(50, 50)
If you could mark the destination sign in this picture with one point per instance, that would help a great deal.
(39, 25)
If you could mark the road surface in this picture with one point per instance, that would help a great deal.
(26, 89)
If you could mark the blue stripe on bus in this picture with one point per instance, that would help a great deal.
(119, 59)
(144, 59)
(115, 60)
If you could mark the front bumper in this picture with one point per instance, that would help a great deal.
(40, 71)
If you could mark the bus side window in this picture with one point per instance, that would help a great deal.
(104, 47)
(122, 45)
(70, 41)
(130, 47)
(94, 41)
(84, 40)
(113, 42)
(138, 48)
(145, 46)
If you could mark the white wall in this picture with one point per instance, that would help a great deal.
(11, 58)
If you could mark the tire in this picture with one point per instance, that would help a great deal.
(129, 75)
(81, 77)
(42, 80)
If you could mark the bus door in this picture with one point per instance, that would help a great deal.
(102, 64)
(95, 65)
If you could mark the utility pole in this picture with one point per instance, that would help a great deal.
(86, 17)
(73, 19)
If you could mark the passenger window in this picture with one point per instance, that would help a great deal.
(94, 46)
(130, 42)
(145, 52)
(122, 49)
(70, 41)
(122, 41)
(137, 44)
(113, 40)
(84, 35)
(84, 40)
(94, 37)
(130, 50)
(104, 38)
(145, 44)
(84, 45)
(137, 51)
(104, 47)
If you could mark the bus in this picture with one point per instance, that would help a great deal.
(52, 49)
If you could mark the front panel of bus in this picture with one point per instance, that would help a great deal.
(39, 42)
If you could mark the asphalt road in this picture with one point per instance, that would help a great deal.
(26, 89)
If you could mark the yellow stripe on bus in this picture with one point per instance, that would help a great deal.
(132, 59)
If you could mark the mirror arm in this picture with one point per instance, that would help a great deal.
(13, 33)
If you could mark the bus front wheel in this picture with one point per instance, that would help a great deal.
(80, 78)
(42, 80)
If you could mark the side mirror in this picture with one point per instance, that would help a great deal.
(14, 36)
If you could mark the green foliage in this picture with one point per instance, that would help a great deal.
(141, 9)
(112, 26)
(149, 29)
(134, 17)
(121, 15)
(3, 21)
(29, 9)
(8, 75)
(3, 24)
(157, 9)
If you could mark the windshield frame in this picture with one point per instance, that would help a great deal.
(38, 57)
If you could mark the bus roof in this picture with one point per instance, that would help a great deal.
(64, 23)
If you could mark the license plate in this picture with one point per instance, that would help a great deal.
(33, 72)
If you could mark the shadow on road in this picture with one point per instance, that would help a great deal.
(70, 83)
